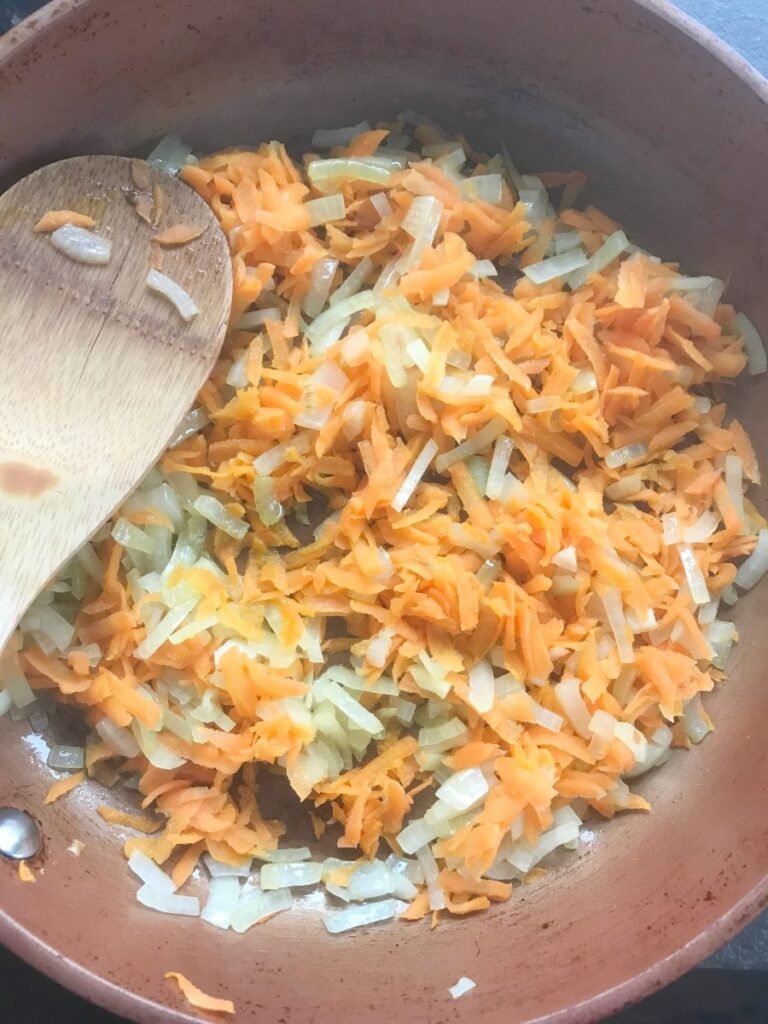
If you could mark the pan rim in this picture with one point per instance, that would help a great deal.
(116, 999)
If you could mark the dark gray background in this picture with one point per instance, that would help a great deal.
(743, 24)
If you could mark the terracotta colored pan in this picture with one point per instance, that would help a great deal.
(673, 129)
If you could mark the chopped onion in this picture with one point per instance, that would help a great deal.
(440, 298)
(611, 249)
(381, 204)
(273, 458)
(152, 876)
(47, 622)
(623, 488)
(192, 423)
(721, 636)
(329, 138)
(602, 727)
(157, 636)
(320, 281)
(696, 721)
(414, 475)
(628, 453)
(268, 508)
(734, 481)
(325, 209)
(327, 175)
(352, 284)
(163, 285)
(482, 269)
(66, 759)
(702, 529)
(547, 719)
(81, 245)
(670, 527)
(168, 903)
(169, 155)
(285, 875)
(473, 446)
(212, 510)
(753, 343)
(369, 881)
(421, 223)
(484, 187)
(555, 266)
(217, 869)
(535, 202)
(481, 690)
(5, 702)
(545, 403)
(131, 536)
(292, 856)
(502, 451)
(462, 986)
(638, 625)
(697, 584)
(451, 731)
(405, 711)
(513, 488)
(16, 686)
(355, 712)
(429, 866)
(331, 380)
(337, 921)
(257, 906)
(475, 386)
(584, 382)
(708, 612)
(379, 647)
(564, 241)
(633, 739)
(568, 693)
(257, 318)
(754, 568)
(338, 314)
(614, 609)
(463, 789)
(223, 896)
(566, 559)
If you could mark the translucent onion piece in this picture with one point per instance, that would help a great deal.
(168, 903)
(484, 187)
(757, 362)
(628, 453)
(414, 475)
(81, 245)
(286, 875)
(320, 282)
(152, 876)
(223, 896)
(611, 249)
(502, 451)
(472, 446)
(462, 986)
(255, 906)
(481, 691)
(212, 510)
(697, 584)
(169, 155)
(463, 789)
(337, 921)
(754, 568)
(555, 266)
(66, 759)
(325, 209)
(174, 293)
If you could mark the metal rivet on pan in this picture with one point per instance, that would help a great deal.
(19, 834)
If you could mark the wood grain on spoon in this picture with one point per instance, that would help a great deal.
(95, 370)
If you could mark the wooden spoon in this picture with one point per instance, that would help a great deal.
(96, 371)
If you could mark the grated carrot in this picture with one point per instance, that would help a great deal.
(556, 580)
(197, 998)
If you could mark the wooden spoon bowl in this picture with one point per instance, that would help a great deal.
(97, 369)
